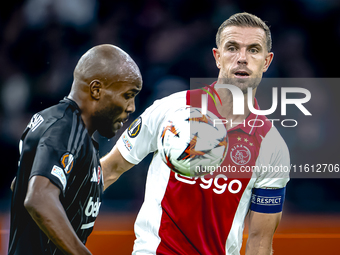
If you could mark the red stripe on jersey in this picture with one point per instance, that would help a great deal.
(195, 219)
(198, 212)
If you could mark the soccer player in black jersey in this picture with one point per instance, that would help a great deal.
(57, 192)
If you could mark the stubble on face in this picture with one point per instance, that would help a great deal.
(107, 122)
(242, 56)
(243, 85)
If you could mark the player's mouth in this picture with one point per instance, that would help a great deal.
(119, 123)
(241, 74)
(125, 120)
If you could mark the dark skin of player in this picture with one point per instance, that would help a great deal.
(106, 81)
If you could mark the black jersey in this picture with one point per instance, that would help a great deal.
(56, 145)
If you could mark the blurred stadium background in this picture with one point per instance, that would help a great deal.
(171, 41)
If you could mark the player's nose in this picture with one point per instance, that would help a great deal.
(131, 106)
(242, 57)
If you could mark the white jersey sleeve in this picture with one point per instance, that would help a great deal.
(273, 163)
(140, 138)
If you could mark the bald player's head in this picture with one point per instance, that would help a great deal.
(106, 63)
(106, 80)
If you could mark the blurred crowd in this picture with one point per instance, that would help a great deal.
(171, 41)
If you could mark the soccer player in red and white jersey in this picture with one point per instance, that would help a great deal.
(204, 215)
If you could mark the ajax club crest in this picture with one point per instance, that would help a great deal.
(240, 154)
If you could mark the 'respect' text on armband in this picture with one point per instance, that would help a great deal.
(267, 200)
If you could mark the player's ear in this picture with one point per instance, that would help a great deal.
(95, 89)
(217, 55)
(268, 60)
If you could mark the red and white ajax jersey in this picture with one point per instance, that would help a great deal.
(201, 215)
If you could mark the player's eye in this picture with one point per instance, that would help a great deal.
(129, 96)
(253, 50)
(231, 48)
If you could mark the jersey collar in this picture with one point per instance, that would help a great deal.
(71, 102)
(245, 128)
(75, 106)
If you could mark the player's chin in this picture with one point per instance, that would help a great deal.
(108, 133)
(244, 84)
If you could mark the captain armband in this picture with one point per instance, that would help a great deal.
(267, 200)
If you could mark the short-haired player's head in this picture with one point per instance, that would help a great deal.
(245, 19)
(243, 51)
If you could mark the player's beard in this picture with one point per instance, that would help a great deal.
(107, 121)
(242, 84)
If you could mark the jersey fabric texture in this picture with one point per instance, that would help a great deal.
(56, 145)
(201, 215)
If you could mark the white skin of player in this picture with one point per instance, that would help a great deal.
(243, 49)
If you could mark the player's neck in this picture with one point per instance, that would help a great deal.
(226, 109)
(84, 112)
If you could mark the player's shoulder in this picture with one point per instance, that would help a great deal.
(273, 136)
(272, 143)
(178, 96)
(266, 131)
(59, 119)
(64, 109)
(166, 104)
